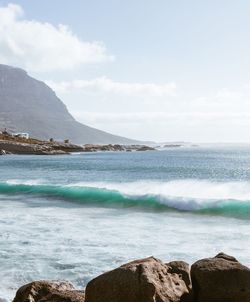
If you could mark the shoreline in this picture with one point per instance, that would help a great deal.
(37, 147)
(221, 278)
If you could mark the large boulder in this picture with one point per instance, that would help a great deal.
(144, 280)
(220, 279)
(48, 291)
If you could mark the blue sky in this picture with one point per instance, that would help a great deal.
(165, 70)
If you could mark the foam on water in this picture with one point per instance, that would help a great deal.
(186, 195)
(75, 217)
(185, 189)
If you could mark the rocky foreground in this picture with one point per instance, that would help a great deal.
(218, 279)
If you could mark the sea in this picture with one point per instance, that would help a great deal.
(73, 217)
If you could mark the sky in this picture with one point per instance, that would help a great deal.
(156, 70)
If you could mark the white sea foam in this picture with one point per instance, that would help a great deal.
(80, 237)
(29, 182)
(190, 189)
(186, 194)
(185, 189)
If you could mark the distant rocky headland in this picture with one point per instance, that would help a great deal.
(29, 105)
(17, 144)
(218, 279)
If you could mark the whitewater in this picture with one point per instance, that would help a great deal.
(75, 216)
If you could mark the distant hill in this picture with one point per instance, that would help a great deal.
(29, 105)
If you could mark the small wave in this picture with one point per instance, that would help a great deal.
(224, 198)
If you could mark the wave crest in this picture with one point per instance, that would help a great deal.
(225, 198)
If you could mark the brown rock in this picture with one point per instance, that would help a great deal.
(46, 291)
(23, 148)
(181, 268)
(145, 280)
(220, 279)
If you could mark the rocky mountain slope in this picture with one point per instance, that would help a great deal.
(29, 105)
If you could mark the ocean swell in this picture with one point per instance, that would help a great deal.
(223, 198)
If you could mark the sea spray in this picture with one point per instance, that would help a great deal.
(223, 198)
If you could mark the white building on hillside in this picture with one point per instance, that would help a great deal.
(22, 135)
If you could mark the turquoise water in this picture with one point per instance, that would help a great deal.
(73, 217)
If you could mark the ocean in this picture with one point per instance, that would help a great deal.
(73, 217)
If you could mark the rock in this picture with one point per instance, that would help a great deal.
(145, 148)
(2, 152)
(116, 147)
(220, 279)
(48, 291)
(25, 148)
(66, 147)
(144, 280)
(53, 152)
(110, 147)
(181, 268)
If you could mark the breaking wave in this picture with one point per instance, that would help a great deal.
(222, 198)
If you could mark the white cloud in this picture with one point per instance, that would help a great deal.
(42, 46)
(106, 85)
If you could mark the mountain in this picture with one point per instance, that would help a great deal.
(29, 105)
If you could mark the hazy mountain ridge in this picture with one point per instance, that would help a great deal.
(29, 105)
